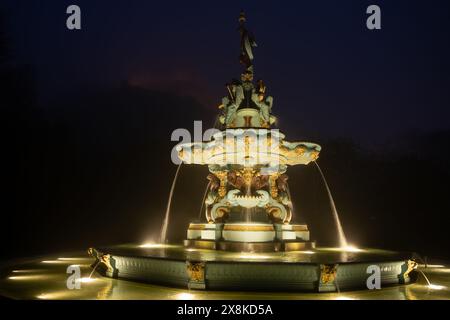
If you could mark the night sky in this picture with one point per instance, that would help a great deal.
(87, 115)
(327, 71)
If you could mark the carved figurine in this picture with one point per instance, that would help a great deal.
(235, 180)
(247, 43)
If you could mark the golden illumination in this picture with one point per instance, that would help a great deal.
(54, 261)
(57, 295)
(351, 248)
(46, 296)
(75, 259)
(26, 271)
(431, 266)
(29, 277)
(343, 298)
(87, 280)
(248, 227)
(184, 296)
(154, 245)
(252, 256)
(436, 287)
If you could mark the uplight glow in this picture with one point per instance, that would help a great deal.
(431, 266)
(436, 287)
(252, 256)
(184, 296)
(153, 245)
(29, 277)
(74, 259)
(58, 295)
(351, 248)
(26, 271)
(87, 280)
(54, 261)
(344, 298)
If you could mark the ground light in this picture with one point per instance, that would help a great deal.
(154, 245)
(351, 248)
(184, 296)
(436, 287)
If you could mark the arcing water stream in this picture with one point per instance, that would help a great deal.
(342, 239)
(165, 224)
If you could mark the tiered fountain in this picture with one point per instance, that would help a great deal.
(248, 205)
(247, 240)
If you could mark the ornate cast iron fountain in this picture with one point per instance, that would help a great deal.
(248, 204)
(248, 208)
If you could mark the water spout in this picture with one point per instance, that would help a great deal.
(429, 284)
(342, 239)
(163, 235)
(93, 269)
(425, 277)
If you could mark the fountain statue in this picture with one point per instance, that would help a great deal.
(247, 206)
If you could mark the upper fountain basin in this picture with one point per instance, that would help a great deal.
(248, 147)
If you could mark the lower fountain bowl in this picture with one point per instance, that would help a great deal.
(319, 270)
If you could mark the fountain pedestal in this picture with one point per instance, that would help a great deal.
(256, 237)
(248, 204)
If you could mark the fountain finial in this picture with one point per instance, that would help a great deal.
(247, 43)
(247, 105)
(242, 17)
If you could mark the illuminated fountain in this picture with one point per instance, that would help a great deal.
(248, 240)
(248, 206)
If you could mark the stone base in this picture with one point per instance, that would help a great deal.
(216, 270)
(234, 246)
(248, 232)
(292, 231)
(205, 231)
(249, 237)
